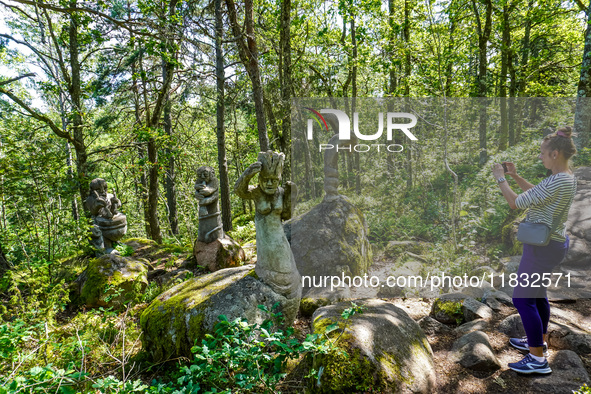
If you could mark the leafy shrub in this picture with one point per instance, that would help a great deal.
(583, 390)
(242, 357)
(244, 234)
(47, 379)
(124, 249)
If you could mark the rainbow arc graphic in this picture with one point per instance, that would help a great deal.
(318, 118)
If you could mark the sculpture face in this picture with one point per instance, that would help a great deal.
(269, 184)
(203, 177)
(101, 189)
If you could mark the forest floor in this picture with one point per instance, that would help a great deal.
(453, 378)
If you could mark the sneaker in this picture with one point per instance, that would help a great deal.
(529, 365)
(521, 344)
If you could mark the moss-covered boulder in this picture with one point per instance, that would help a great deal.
(219, 254)
(448, 308)
(184, 314)
(330, 239)
(111, 281)
(380, 350)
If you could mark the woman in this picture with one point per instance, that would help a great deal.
(548, 203)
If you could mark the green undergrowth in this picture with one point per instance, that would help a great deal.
(99, 351)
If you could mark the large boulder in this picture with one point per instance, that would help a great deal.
(568, 375)
(218, 254)
(330, 239)
(579, 221)
(184, 314)
(382, 350)
(111, 281)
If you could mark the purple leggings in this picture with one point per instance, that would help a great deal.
(532, 302)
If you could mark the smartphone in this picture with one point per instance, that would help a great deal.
(504, 167)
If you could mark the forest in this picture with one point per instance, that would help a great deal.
(143, 94)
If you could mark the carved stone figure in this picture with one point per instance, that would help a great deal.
(275, 262)
(206, 191)
(110, 225)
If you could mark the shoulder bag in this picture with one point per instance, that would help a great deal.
(537, 234)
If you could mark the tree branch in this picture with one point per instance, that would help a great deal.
(16, 78)
(59, 132)
(123, 24)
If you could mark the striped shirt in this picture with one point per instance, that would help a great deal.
(549, 202)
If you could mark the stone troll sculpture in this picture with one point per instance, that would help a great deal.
(109, 225)
(275, 262)
(206, 192)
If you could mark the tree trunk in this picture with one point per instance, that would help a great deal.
(356, 163)
(4, 266)
(512, 93)
(141, 152)
(393, 83)
(220, 130)
(407, 63)
(483, 37)
(505, 48)
(153, 121)
(74, 90)
(407, 68)
(170, 173)
(248, 52)
(286, 85)
(583, 109)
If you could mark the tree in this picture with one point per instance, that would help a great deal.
(249, 56)
(483, 38)
(220, 111)
(285, 83)
(583, 110)
(66, 78)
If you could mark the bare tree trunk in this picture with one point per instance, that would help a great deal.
(143, 183)
(354, 100)
(248, 52)
(512, 93)
(407, 68)
(483, 37)
(286, 85)
(220, 111)
(392, 85)
(505, 48)
(74, 89)
(583, 109)
(170, 173)
(152, 124)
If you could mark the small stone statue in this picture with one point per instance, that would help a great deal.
(275, 263)
(110, 225)
(206, 191)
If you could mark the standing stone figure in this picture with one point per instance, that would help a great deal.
(206, 191)
(109, 225)
(275, 263)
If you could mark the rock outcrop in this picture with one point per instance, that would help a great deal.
(184, 314)
(330, 239)
(111, 281)
(381, 349)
